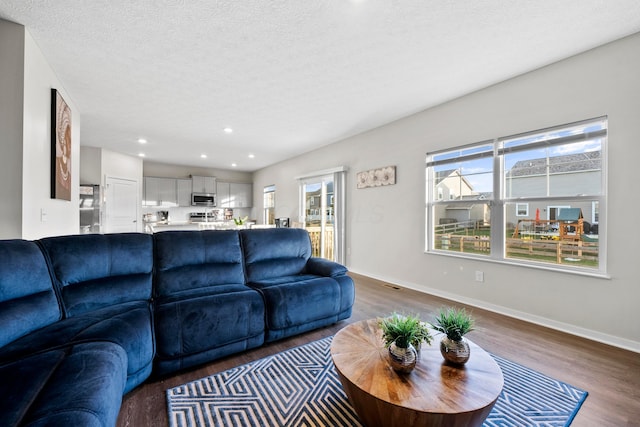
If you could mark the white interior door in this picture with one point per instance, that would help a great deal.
(121, 205)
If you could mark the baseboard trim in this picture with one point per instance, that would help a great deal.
(520, 315)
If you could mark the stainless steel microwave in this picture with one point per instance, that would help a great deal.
(203, 199)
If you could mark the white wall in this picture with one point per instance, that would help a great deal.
(11, 112)
(98, 164)
(90, 165)
(177, 171)
(26, 172)
(385, 225)
(60, 216)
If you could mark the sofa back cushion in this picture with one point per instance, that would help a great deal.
(189, 263)
(100, 270)
(27, 297)
(275, 252)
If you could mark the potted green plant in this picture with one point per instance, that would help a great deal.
(454, 323)
(240, 220)
(403, 335)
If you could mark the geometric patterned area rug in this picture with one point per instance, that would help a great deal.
(300, 388)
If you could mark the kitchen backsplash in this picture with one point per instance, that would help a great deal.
(179, 214)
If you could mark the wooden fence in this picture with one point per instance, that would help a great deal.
(315, 234)
(552, 251)
(456, 227)
(471, 244)
(558, 251)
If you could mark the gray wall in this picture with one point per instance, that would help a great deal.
(179, 171)
(11, 117)
(385, 225)
(26, 80)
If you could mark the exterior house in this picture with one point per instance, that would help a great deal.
(554, 176)
(452, 185)
(313, 204)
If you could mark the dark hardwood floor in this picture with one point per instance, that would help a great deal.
(610, 375)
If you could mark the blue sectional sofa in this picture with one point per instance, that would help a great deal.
(84, 319)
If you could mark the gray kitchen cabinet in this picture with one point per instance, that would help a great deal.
(160, 192)
(184, 188)
(150, 190)
(234, 195)
(241, 195)
(203, 184)
(222, 195)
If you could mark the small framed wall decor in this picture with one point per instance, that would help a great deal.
(60, 147)
(377, 177)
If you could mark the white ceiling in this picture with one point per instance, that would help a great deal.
(290, 76)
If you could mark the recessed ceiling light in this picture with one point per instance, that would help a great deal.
(228, 130)
(251, 156)
(233, 165)
(142, 140)
(140, 154)
(204, 156)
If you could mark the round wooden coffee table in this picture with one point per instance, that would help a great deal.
(433, 394)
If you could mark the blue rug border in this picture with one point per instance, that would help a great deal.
(578, 402)
(568, 423)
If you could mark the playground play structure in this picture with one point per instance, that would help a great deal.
(569, 225)
(562, 240)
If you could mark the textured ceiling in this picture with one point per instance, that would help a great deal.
(290, 76)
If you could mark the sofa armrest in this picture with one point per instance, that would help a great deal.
(324, 267)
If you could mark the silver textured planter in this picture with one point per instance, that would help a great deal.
(402, 360)
(456, 352)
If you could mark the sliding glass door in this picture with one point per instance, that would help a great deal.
(322, 214)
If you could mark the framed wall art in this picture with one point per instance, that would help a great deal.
(376, 177)
(60, 147)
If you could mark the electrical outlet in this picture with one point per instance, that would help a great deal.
(479, 276)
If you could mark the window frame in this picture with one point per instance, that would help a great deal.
(268, 211)
(498, 201)
(526, 209)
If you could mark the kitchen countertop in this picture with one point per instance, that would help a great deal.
(154, 227)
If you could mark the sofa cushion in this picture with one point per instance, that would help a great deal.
(78, 385)
(325, 267)
(203, 310)
(191, 263)
(94, 271)
(204, 328)
(27, 298)
(275, 252)
(198, 324)
(296, 300)
(130, 326)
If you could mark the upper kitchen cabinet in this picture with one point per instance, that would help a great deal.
(184, 189)
(203, 184)
(242, 195)
(234, 195)
(160, 192)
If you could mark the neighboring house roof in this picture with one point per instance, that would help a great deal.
(569, 214)
(461, 206)
(467, 202)
(479, 196)
(442, 175)
(558, 164)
